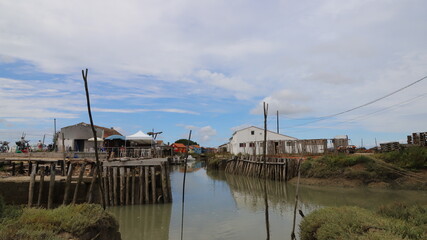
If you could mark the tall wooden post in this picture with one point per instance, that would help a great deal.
(95, 138)
(264, 155)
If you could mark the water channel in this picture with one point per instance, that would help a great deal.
(223, 206)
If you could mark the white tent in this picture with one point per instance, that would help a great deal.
(140, 137)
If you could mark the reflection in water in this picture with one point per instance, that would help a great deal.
(139, 222)
(223, 206)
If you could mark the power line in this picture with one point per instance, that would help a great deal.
(378, 99)
(363, 105)
(397, 105)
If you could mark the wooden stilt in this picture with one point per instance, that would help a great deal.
(147, 196)
(67, 183)
(31, 188)
(115, 186)
(122, 186)
(133, 187)
(51, 186)
(168, 181)
(141, 185)
(41, 183)
(127, 185)
(79, 181)
(105, 182)
(153, 184)
(110, 185)
(164, 183)
(92, 183)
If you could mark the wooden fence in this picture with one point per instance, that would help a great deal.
(278, 169)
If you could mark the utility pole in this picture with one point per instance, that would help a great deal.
(278, 121)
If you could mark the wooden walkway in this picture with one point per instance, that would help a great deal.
(126, 181)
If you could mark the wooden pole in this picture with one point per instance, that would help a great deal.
(293, 237)
(141, 186)
(98, 164)
(41, 183)
(31, 188)
(68, 183)
(264, 154)
(105, 182)
(92, 183)
(153, 185)
(133, 187)
(115, 186)
(164, 183)
(122, 185)
(127, 185)
(79, 181)
(51, 186)
(147, 196)
(110, 185)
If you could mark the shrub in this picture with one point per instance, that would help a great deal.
(332, 165)
(390, 222)
(43, 224)
(412, 157)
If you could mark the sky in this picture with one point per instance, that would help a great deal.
(208, 66)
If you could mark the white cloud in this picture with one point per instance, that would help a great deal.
(335, 54)
(284, 101)
(202, 135)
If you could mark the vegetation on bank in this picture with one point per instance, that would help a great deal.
(216, 161)
(359, 167)
(394, 168)
(414, 158)
(396, 221)
(83, 221)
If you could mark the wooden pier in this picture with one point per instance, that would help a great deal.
(278, 169)
(126, 181)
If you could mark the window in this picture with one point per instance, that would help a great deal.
(251, 144)
(242, 144)
(252, 132)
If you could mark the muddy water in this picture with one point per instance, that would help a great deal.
(220, 206)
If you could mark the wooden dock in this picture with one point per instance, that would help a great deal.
(126, 181)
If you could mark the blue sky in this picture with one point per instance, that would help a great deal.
(173, 66)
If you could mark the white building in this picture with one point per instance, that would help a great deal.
(250, 140)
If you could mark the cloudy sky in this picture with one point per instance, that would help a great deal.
(208, 65)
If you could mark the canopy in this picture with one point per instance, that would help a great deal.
(97, 139)
(139, 136)
(115, 137)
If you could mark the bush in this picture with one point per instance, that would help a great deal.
(356, 223)
(332, 165)
(411, 158)
(34, 224)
